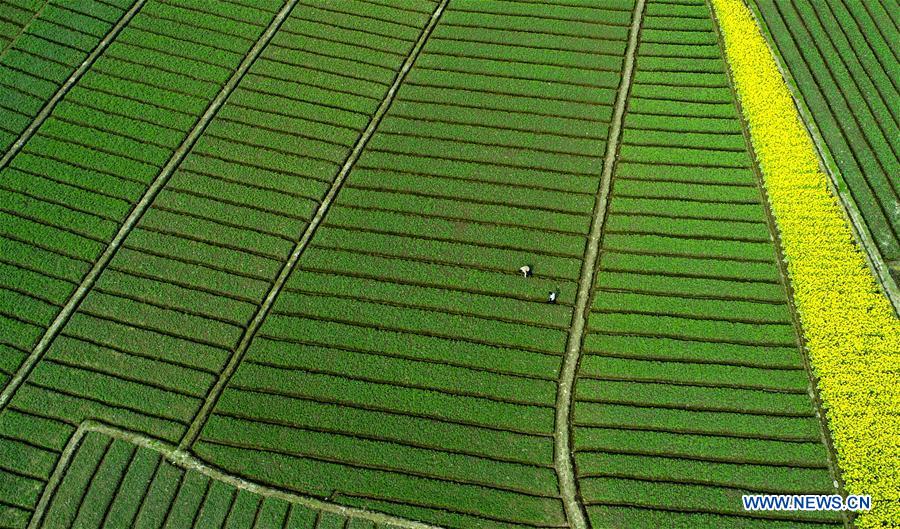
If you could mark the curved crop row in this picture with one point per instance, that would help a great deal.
(852, 334)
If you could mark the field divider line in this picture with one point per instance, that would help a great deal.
(187, 461)
(70, 82)
(90, 279)
(240, 350)
(563, 453)
(836, 182)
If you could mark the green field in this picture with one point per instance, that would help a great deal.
(272, 247)
(15, 16)
(112, 482)
(842, 56)
(691, 389)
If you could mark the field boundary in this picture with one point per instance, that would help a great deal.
(838, 187)
(563, 453)
(187, 461)
(803, 349)
(137, 212)
(237, 355)
(73, 79)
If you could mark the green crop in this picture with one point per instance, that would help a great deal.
(700, 422)
(745, 476)
(416, 490)
(361, 452)
(762, 377)
(389, 342)
(695, 447)
(694, 398)
(65, 509)
(656, 348)
(389, 426)
(680, 497)
(389, 397)
(369, 340)
(406, 371)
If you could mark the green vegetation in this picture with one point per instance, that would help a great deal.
(42, 42)
(841, 59)
(111, 482)
(691, 389)
(324, 296)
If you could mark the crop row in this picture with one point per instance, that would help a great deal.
(407, 460)
(402, 344)
(699, 398)
(406, 354)
(690, 382)
(45, 44)
(152, 336)
(16, 16)
(67, 191)
(749, 476)
(851, 331)
(113, 483)
(664, 186)
(701, 447)
(687, 371)
(840, 56)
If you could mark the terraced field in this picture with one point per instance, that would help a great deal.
(259, 267)
(843, 57)
(691, 389)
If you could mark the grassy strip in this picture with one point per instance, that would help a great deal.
(852, 335)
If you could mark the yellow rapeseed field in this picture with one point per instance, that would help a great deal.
(852, 334)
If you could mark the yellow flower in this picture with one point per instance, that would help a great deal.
(852, 334)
